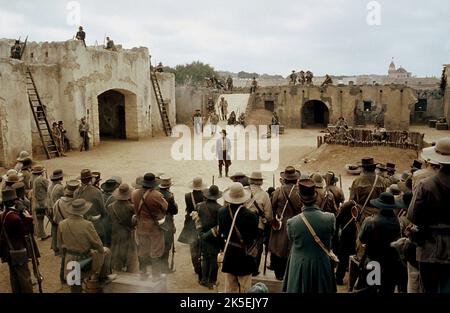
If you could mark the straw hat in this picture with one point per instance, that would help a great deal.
(166, 182)
(237, 194)
(197, 184)
(440, 153)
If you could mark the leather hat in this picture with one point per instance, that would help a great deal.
(386, 201)
(213, 193)
(150, 181)
(307, 191)
(290, 173)
(9, 194)
(123, 192)
(57, 175)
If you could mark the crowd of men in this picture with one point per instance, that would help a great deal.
(313, 235)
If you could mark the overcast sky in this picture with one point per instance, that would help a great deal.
(263, 36)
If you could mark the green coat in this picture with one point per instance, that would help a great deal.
(309, 268)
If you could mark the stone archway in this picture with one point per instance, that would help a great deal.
(315, 113)
(117, 114)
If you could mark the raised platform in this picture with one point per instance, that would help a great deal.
(132, 283)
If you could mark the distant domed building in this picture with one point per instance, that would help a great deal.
(398, 73)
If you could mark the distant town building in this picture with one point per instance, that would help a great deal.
(398, 73)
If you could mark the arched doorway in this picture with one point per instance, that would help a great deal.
(111, 112)
(315, 113)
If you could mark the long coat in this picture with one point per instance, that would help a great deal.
(236, 261)
(94, 196)
(429, 210)
(123, 244)
(189, 234)
(78, 238)
(150, 235)
(208, 212)
(309, 268)
(279, 243)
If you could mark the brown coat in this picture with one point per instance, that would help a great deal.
(429, 210)
(361, 188)
(150, 235)
(279, 243)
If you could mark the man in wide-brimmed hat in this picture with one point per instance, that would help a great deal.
(60, 211)
(223, 152)
(431, 168)
(189, 234)
(307, 259)
(286, 203)
(362, 186)
(240, 177)
(78, 241)
(22, 203)
(123, 244)
(260, 204)
(377, 233)
(23, 155)
(108, 188)
(172, 210)
(150, 207)
(238, 261)
(12, 179)
(97, 213)
(210, 246)
(40, 200)
(56, 188)
(325, 199)
(429, 211)
(16, 226)
(26, 173)
(330, 185)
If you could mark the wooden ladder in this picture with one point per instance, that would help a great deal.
(40, 117)
(161, 104)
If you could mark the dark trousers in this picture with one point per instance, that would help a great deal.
(278, 265)
(260, 245)
(209, 269)
(195, 258)
(20, 278)
(435, 278)
(168, 243)
(342, 267)
(85, 144)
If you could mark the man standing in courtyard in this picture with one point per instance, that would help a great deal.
(84, 134)
(223, 151)
(223, 108)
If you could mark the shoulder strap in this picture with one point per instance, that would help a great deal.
(288, 201)
(142, 202)
(238, 233)
(370, 194)
(313, 233)
(256, 204)
(193, 200)
(233, 223)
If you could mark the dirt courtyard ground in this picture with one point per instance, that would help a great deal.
(130, 159)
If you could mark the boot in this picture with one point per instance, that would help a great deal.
(226, 172)
(220, 171)
(143, 268)
(156, 269)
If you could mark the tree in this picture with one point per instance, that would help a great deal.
(194, 73)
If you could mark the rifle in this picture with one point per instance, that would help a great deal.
(273, 181)
(172, 262)
(266, 252)
(340, 180)
(213, 180)
(35, 262)
(24, 46)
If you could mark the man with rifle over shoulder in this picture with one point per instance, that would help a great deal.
(260, 204)
(17, 245)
